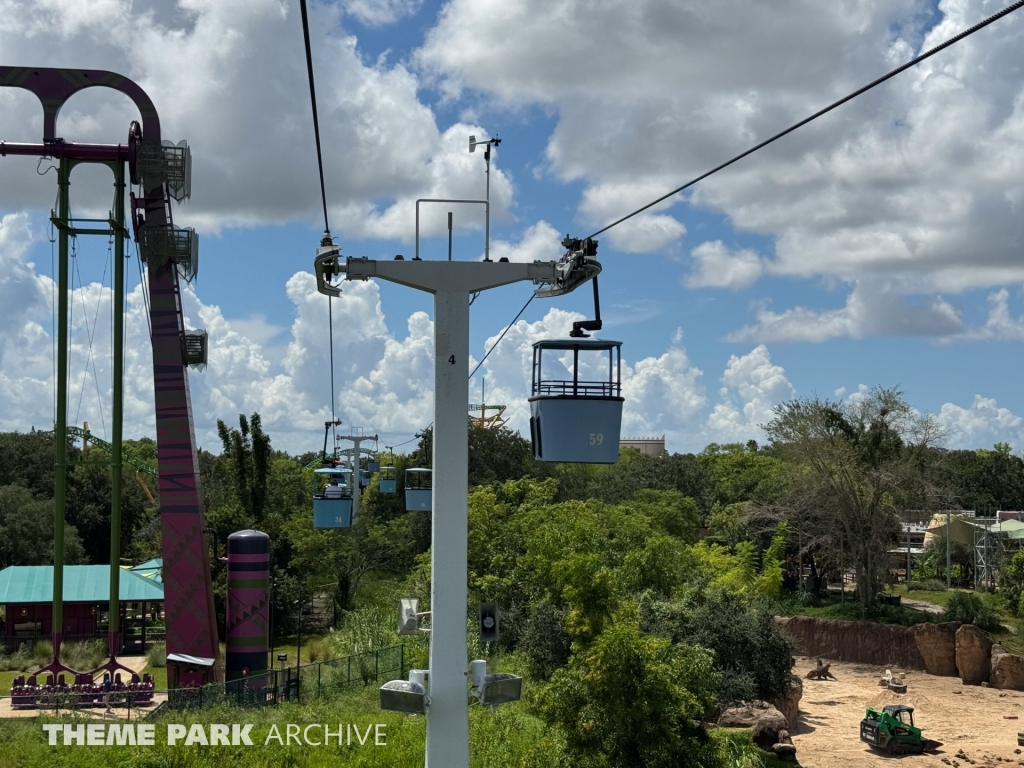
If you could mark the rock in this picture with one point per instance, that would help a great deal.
(1007, 670)
(973, 655)
(789, 704)
(937, 645)
(745, 716)
(766, 730)
(785, 752)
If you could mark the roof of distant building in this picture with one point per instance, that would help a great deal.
(82, 584)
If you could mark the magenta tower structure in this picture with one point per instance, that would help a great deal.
(248, 607)
(161, 172)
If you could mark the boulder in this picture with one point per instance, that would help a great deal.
(745, 716)
(1007, 670)
(789, 703)
(785, 752)
(765, 732)
(973, 655)
(937, 645)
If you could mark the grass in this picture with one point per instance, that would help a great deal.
(507, 736)
(159, 677)
(6, 681)
(926, 596)
(832, 607)
(736, 750)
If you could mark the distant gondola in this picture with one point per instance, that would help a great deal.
(419, 490)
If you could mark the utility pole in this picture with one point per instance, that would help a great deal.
(908, 555)
(451, 283)
(949, 571)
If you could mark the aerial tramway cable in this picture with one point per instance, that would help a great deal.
(509, 326)
(967, 32)
(903, 67)
(323, 194)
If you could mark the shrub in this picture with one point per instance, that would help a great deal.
(752, 654)
(84, 654)
(19, 661)
(156, 655)
(633, 700)
(42, 652)
(928, 585)
(545, 641)
(319, 650)
(971, 609)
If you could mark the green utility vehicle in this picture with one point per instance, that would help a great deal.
(892, 729)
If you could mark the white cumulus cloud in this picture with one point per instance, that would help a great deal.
(716, 266)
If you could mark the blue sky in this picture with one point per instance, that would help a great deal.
(881, 245)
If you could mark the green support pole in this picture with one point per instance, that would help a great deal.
(117, 225)
(61, 427)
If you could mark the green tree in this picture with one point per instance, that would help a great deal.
(26, 530)
(1011, 579)
(752, 654)
(985, 480)
(27, 459)
(249, 450)
(743, 473)
(495, 454)
(636, 472)
(932, 563)
(633, 700)
(857, 467)
(345, 557)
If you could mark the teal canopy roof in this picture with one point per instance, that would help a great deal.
(151, 569)
(82, 584)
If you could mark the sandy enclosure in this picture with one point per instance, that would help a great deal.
(983, 722)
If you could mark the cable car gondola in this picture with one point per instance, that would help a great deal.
(332, 504)
(419, 489)
(576, 420)
(388, 482)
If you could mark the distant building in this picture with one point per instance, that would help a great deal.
(26, 602)
(650, 446)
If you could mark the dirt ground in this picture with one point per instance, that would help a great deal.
(980, 721)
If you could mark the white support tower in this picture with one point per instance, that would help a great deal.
(451, 283)
(357, 489)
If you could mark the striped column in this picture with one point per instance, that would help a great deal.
(248, 605)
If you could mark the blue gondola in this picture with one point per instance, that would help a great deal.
(373, 466)
(388, 480)
(573, 420)
(330, 511)
(419, 489)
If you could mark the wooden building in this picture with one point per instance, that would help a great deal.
(26, 605)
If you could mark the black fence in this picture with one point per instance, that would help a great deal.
(319, 680)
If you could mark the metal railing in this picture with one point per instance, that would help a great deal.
(569, 388)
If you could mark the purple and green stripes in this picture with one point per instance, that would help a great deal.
(248, 606)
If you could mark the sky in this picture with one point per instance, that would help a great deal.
(881, 245)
